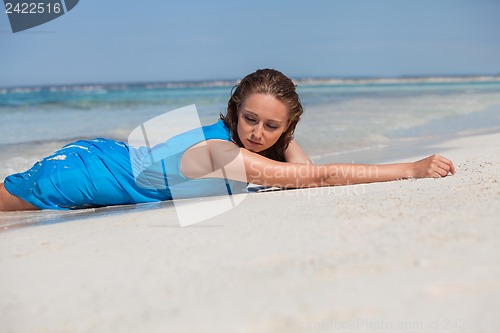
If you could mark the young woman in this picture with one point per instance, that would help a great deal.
(252, 143)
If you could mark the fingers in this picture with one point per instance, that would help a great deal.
(443, 166)
(443, 169)
(434, 166)
(452, 167)
(436, 174)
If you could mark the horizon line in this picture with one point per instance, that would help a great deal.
(297, 79)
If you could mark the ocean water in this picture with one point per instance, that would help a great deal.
(344, 120)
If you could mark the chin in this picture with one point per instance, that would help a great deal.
(253, 150)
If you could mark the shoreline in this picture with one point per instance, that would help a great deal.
(401, 149)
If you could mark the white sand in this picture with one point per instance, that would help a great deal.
(406, 256)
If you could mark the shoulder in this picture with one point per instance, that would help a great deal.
(295, 154)
(207, 156)
(223, 159)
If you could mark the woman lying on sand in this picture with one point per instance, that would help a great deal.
(252, 143)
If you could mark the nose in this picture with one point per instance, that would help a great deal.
(257, 133)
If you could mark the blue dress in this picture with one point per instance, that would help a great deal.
(103, 172)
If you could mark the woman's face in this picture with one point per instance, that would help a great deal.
(261, 120)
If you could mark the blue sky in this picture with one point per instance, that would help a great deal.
(138, 41)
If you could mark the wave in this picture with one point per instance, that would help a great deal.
(399, 80)
(89, 97)
(105, 87)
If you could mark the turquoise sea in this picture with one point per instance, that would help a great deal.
(345, 120)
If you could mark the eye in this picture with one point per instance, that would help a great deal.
(249, 119)
(272, 126)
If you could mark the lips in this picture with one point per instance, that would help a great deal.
(254, 143)
(253, 146)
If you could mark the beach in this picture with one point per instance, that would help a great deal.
(404, 256)
(106, 108)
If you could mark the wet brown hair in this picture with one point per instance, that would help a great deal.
(269, 82)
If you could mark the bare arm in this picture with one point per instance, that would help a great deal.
(261, 171)
(243, 165)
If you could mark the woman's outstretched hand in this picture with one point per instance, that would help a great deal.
(434, 166)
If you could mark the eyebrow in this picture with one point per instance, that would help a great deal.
(256, 115)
